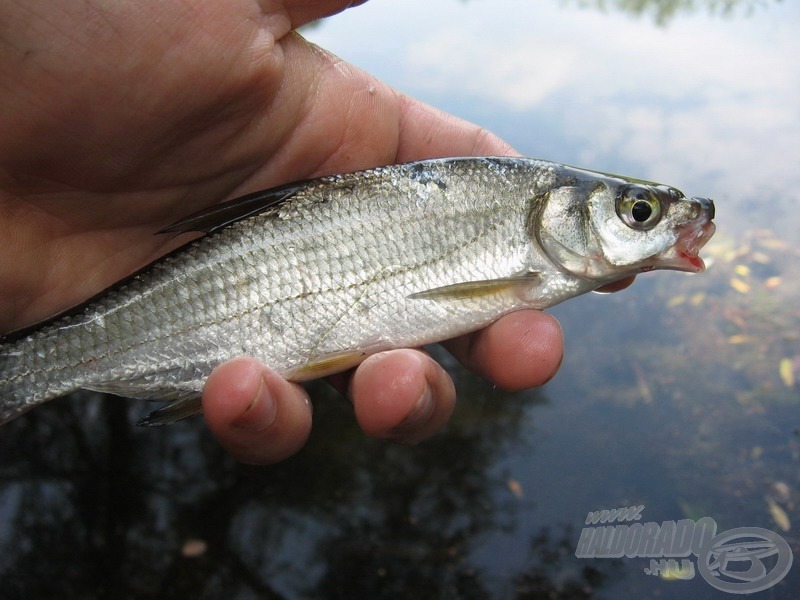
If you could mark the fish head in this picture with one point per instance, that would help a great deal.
(605, 228)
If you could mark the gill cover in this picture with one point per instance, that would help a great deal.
(564, 230)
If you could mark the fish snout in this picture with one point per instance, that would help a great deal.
(707, 205)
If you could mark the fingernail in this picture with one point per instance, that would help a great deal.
(261, 412)
(423, 410)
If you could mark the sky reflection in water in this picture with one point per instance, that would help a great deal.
(673, 394)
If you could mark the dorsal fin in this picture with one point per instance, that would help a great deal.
(220, 215)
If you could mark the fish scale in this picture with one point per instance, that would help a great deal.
(312, 277)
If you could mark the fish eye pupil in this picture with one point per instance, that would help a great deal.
(641, 211)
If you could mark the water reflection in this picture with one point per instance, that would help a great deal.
(679, 393)
(100, 509)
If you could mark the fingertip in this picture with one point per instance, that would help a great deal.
(257, 416)
(402, 395)
(524, 350)
(521, 350)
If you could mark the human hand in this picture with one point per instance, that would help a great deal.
(120, 118)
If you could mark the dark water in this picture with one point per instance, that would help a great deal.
(678, 394)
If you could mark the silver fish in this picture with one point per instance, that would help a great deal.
(312, 277)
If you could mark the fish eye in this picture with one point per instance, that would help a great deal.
(638, 207)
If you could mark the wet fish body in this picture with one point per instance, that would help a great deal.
(313, 277)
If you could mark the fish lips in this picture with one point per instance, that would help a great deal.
(684, 254)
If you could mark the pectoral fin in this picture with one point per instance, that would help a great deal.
(518, 286)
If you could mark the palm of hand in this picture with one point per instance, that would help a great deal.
(120, 119)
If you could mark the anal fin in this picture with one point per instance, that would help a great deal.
(172, 412)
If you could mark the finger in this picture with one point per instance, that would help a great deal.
(301, 12)
(257, 416)
(616, 286)
(520, 350)
(427, 132)
(402, 395)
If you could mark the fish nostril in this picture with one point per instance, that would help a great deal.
(707, 205)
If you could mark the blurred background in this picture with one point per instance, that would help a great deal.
(680, 394)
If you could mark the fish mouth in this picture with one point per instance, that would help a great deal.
(684, 254)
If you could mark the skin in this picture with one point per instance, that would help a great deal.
(119, 118)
